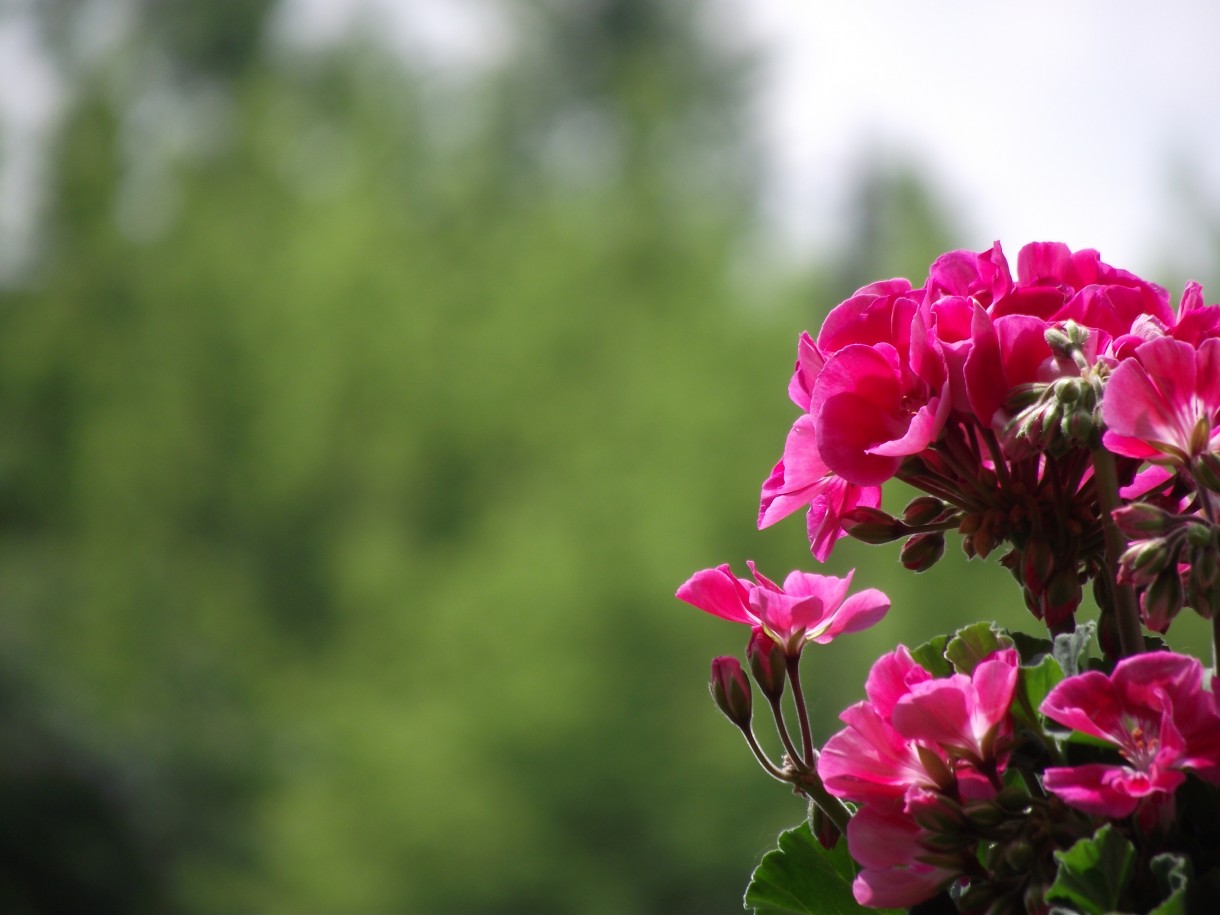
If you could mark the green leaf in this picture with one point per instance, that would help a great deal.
(1094, 872)
(1034, 683)
(1070, 647)
(971, 645)
(803, 877)
(931, 656)
(1172, 874)
(1029, 647)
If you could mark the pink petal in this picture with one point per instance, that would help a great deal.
(717, 592)
(856, 613)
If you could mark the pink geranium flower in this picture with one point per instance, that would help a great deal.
(873, 407)
(1163, 404)
(885, 840)
(808, 608)
(964, 715)
(1154, 709)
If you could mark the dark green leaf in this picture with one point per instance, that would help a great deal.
(1034, 683)
(1172, 874)
(972, 644)
(803, 877)
(1031, 648)
(1094, 872)
(931, 656)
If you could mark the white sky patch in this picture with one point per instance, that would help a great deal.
(1042, 120)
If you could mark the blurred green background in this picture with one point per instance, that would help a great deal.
(358, 425)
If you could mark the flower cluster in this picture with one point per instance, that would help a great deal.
(1067, 418)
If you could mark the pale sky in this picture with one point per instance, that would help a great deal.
(1039, 120)
(1036, 120)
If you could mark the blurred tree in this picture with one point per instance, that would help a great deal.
(358, 429)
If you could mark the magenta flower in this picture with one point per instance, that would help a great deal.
(873, 407)
(914, 726)
(1163, 404)
(801, 478)
(808, 608)
(964, 715)
(1154, 709)
(885, 840)
(870, 760)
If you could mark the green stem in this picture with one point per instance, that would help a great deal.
(761, 756)
(1126, 607)
(802, 715)
(811, 785)
(782, 726)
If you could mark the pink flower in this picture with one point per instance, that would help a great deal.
(914, 729)
(963, 715)
(870, 760)
(808, 608)
(875, 405)
(885, 840)
(1155, 710)
(1163, 404)
(801, 478)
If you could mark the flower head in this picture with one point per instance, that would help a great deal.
(1154, 709)
(1163, 404)
(808, 608)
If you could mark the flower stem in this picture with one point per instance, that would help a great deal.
(761, 756)
(802, 715)
(1126, 607)
(811, 786)
(782, 726)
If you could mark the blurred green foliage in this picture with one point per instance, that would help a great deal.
(354, 445)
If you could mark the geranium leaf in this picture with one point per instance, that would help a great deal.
(1094, 872)
(1034, 683)
(931, 656)
(1173, 874)
(971, 645)
(1070, 647)
(803, 877)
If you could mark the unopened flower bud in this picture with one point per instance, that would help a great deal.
(731, 690)
(1024, 396)
(1201, 535)
(1037, 564)
(1144, 560)
(1205, 565)
(1140, 518)
(871, 525)
(923, 510)
(922, 551)
(823, 827)
(1019, 855)
(1067, 340)
(1061, 598)
(768, 663)
(1162, 601)
(1206, 469)
(1079, 426)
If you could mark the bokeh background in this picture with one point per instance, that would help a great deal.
(371, 374)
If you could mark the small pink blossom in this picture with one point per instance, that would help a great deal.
(1154, 709)
(808, 608)
(1163, 404)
